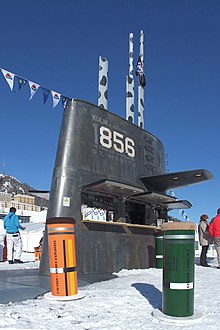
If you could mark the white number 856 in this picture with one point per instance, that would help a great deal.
(109, 139)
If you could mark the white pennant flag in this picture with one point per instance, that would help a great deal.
(56, 98)
(9, 77)
(33, 88)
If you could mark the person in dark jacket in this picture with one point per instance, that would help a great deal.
(13, 237)
(204, 239)
(214, 230)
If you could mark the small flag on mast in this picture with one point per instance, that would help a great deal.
(140, 72)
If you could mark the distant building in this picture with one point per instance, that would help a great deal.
(19, 201)
(25, 199)
(5, 197)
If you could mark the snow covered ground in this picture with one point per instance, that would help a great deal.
(126, 302)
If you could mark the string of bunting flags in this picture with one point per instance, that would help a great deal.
(181, 211)
(14, 81)
(184, 215)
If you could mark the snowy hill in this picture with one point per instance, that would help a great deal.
(11, 185)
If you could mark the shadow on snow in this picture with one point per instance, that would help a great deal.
(151, 293)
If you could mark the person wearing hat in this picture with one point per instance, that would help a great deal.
(214, 231)
(204, 239)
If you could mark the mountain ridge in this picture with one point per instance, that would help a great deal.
(11, 185)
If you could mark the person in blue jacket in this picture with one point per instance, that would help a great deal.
(13, 237)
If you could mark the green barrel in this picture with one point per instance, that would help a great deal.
(178, 269)
(159, 249)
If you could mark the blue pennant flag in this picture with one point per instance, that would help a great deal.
(21, 82)
(181, 212)
(172, 193)
(46, 93)
(64, 100)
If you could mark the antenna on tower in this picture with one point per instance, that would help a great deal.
(103, 83)
(3, 167)
(141, 83)
(130, 83)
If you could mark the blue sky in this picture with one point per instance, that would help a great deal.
(57, 44)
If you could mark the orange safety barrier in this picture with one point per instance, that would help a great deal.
(37, 253)
(5, 250)
(62, 255)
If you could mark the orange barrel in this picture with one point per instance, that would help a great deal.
(62, 256)
(5, 250)
(37, 253)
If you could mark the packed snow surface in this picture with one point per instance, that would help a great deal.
(125, 302)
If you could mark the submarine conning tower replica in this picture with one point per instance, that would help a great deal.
(109, 175)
